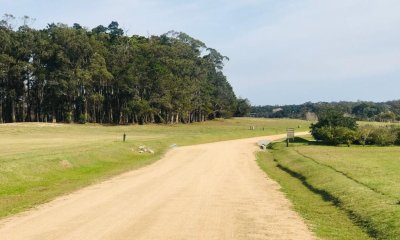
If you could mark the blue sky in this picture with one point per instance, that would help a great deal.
(280, 51)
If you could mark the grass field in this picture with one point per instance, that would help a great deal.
(41, 161)
(340, 190)
(323, 217)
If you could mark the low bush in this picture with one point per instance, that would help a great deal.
(82, 118)
(383, 136)
(334, 128)
(335, 136)
(363, 134)
(396, 131)
(68, 117)
(343, 135)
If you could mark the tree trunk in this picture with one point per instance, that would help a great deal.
(86, 111)
(22, 112)
(28, 114)
(54, 116)
(12, 111)
(1, 113)
(121, 118)
(94, 113)
(110, 116)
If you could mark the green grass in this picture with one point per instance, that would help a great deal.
(41, 161)
(361, 183)
(323, 217)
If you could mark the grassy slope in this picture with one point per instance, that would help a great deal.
(41, 161)
(323, 217)
(361, 181)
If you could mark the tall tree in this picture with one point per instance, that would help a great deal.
(71, 74)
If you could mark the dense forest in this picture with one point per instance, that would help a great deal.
(72, 74)
(361, 110)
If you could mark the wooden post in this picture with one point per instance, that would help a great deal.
(124, 137)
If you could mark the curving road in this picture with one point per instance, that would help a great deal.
(208, 191)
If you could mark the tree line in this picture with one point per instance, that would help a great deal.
(361, 110)
(72, 74)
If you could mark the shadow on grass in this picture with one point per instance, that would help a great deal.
(328, 197)
(304, 141)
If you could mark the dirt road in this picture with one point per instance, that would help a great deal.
(209, 191)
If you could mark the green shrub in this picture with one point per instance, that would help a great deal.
(336, 135)
(363, 134)
(82, 118)
(334, 128)
(383, 136)
(396, 131)
(322, 133)
(343, 135)
(68, 117)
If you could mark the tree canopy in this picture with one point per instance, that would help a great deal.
(72, 74)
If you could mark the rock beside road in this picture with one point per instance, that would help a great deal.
(144, 149)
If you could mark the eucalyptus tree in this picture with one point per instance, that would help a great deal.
(72, 74)
(6, 62)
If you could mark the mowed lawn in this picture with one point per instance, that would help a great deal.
(361, 183)
(41, 161)
(378, 168)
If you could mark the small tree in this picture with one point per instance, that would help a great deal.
(334, 128)
(243, 107)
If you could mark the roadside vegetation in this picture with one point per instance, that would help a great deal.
(334, 128)
(321, 215)
(340, 189)
(40, 161)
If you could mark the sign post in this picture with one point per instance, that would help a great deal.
(290, 135)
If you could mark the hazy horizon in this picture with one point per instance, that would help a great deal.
(281, 52)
